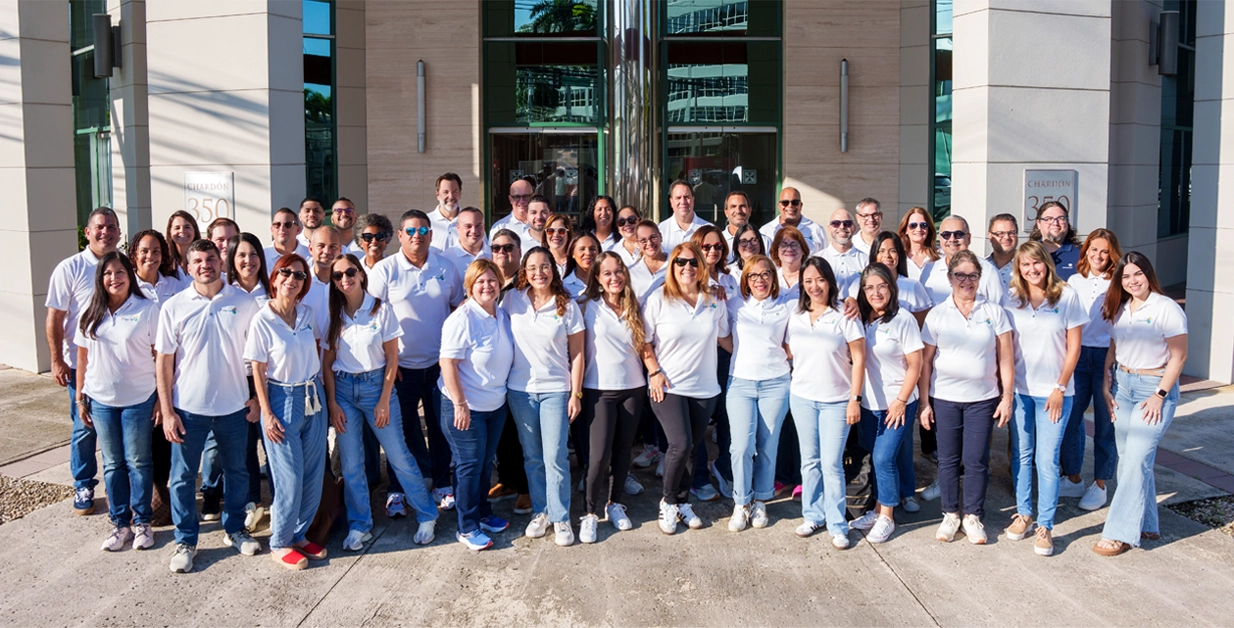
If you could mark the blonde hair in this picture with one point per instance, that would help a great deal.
(672, 289)
(476, 269)
(630, 310)
(1019, 285)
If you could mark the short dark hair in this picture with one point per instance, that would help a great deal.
(221, 221)
(676, 182)
(103, 211)
(203, 246)
(538, 198)
(449, 176)
(287, 210)
(343, 198)
(1004, 217)
(414, 214)
(313, 199)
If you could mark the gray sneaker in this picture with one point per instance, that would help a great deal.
(182, 560)
(119, 537)
(244, 543)
(143, 536)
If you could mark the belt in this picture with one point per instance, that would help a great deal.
(1157, 372)
(311, 404)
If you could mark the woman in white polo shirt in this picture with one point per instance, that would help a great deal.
(724, 280)
(1148, 347)
(359, 367)
(648, 271)
(758, 382)
(614, 390)
(283, 349)
(558, 234)
(627, 223)
(116, 394)
(1048, 318)
(969, 356)
(583, 252)
(545, 388)
(684, 323)
(789, 251)
(828, 353)
(477, 352)
(888, 250)
(158, 277)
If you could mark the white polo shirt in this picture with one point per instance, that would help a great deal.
(575, 286)
(207, 337)
(730, 281)
(164, 289)
(445, 230)
(1004, 273)
(272, 256)
(611, 243)
(643, 281)
(1041, 341)
(847, 267)
(120, 367)
(887, 348)
(913, 295)
(1139, 338)
(613, 362)
(822, 363)
(1092, 290)
(517, 226)
(862, 245)
(759, 329)
(685, 339)
(673, 234)
(792, 292)
(70, 289)
(626, 256)
(966, 363)
(318, 298)
(815, 234)
(541, 343)
(939, 285)
(422, 299)
(919, 272)
(462, 259)
(361, 338)
(485, 351)
(289, 351)
(258, 294)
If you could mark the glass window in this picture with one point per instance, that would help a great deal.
(320, 146)
(538, 83)
(940, 122)
(1177, 115)
(749, 18)
(91, 107)
(317, 18)
(719, 163)
(723, 82)
(543, 18)
(562, 167)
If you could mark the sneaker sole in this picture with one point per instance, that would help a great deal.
(474, 548)
(1043, 551)
(1016, 537)
(1090, 507)
(82, 512)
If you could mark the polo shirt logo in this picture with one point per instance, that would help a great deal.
(230, 309)
(135, 318)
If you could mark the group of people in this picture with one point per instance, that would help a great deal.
(185, 354)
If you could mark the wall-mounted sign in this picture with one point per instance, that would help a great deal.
(1043, 186)
(749, 177)
(210, 195)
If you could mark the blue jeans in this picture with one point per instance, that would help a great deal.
(416, 387)
(124, 436)
(756, 412)
(231, 430)
(82, 463)
(891, 455)
(1089, 382)
(724, 437)
(822, 430)
(357, 394)
(296, 464)
(1133, 509)
(543, 427)
(474, 449)
(1036, 439)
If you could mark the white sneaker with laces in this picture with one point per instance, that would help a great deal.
(355, 540)
(1094, 498)
(563, 534)
(864, 522)
(649, 456)
(758, 515)
(840, 541)
(182, 560)
(537, 527)
(882, 530)
(617, 517)
(444, 498)
(668, 517)
(974, 530)
(1067, 488)
(425, 533)
(947, 529)
(118, 538)
(587, 528)
(632, 486)
(143, 536)
(741, 516)
(243, 543)
(931, 492)
(909, 504)
(686, 512)
(706, 494)
(252, 516)
(807, 528)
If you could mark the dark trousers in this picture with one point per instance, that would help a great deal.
(510, 470)
(684, 420)
(963, 431)
(419, 386)
(613, 417)
(724, 436)
(788, 460)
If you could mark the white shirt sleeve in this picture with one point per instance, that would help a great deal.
(455, 338)
(927, 334)
(574, 319)
(1072, 309)
(910, 336)
(457, 295)
(651, 311)
(1173, 321)
(390, 329)
(256, 346)
(852, 330)
(1002, 322)
(59, 292)
(168, 340)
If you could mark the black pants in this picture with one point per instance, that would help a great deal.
(419, 386)
(684, 420)
(510, 470)
(788, 460)
(964, 436)
(613, 416)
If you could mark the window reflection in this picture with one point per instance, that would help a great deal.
(562, 168)
(555, 17)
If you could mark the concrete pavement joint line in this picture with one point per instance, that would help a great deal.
(909, 589)
(343, 575)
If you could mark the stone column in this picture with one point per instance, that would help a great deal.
(352, 129)
(130, 120)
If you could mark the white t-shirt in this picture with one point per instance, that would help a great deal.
(485, 350)
(918, 272)
(847, 267)
(673, 234)
(1041, 341)
(822, 363)
(913, 295)
(685, 339)
(273, 256)
(422, 299)
(462, 259)
(965, 366)
(207, 336)
(541, 343)
(361, 337)
(939, 285)
(643, 281)
(815, 235)
(887, 348)
(613, 362)
(164, 289)
(289, 352)
(1004, 273)
(759, 329)
(1139, 338)
(120, 366)
(1092, 290)
(70, 290)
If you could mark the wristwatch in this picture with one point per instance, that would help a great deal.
(856, 398)
(1161, 392)
(1060, 388)
(577, 394)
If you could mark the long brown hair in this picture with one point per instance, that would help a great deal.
(521, 283)
(1116, 253)
(1117, 296)
(338, 300)
(174, 248)
(700, 235)
(630, 310)
(1019, 287)
(931, 241)
(94, 313)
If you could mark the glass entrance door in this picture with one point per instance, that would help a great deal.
(562, 167)
(719, 161)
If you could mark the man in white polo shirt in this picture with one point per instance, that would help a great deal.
(870, 222)
(846, 260)
(70, 289)
(469, 246)
(202, 390)
(1004, 236)
(737, 213)
(954, 235)
(284, 237)
(449, 194)
(343, 217)
(520, 195)
(423, 287)
(684, 222)
(326, 245)
(312, 216)
(790, 216)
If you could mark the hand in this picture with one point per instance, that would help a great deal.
(272, 426)
(720, 293)
(574, 408)
(852, 414)
(851, 311)
(173, 429)
(462, 416)
(1110, 403)
(381, 413)
(1004, 410)
(83, 413)
(895, 414)
(926, 416)
(157, 415)
(1152, 409)
(657, 385)
(252, 410)
(1054, 405)
(338, 419)
(60, 371)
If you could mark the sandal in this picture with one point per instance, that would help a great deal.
(1150, 536)
(289, 558)
(1108, 547)
(312, 550)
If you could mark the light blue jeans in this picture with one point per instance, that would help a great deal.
(124, 438)
(357, 395)
(1133, 509)
(892, 455)
(822, 430)
(543, 429)
(1035, 439)
(756, 412)
(296, 464)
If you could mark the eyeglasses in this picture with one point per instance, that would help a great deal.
(836, 224)
(646, 241)
(553, 231)
(520, 197)
(343, 210)
(919, 225)
(417, 231)
(707, 248)
(794, 203)
(298, 275)
(1002, 234)
(870, 216)
(948, 235)
(763, 276)
(503, 248)
(380, 236)
(629, 220)
(338, 274)
(284, 225)
(791, 245)
(966, 277)
(681, 262)
(748, 243)
(881, 288)
(1053, 219)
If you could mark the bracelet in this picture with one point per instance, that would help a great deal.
(902, 401)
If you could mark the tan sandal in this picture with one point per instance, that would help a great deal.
(1150, 536)
(1108, 547)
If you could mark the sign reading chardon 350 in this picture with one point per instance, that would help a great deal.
(210, 195)
(1043, 186)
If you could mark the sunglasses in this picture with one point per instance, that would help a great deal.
(284, 225)
(629, 220)
(948, 235)
(298, 275)
(338, 274)
(343, 210)
(847, 224)
(553, 231)
(417, 231)
(707, 248)
(381, 236)
(520, 197)
(796, 203)
(682, 262)
(504, 248)
(918, 225)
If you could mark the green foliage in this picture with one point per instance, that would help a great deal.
(561, 16)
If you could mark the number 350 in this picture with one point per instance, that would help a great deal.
(206, 210)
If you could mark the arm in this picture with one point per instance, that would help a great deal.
(1054, 404)
(657, 382)
(857, 350)
(337, 418)
(924, 411)
(921, 316)
(577, 364)
(1006, 373)
(165, 373)
(1107, 379)
(55, 344)
(454, 389)
(897, 407)
(269, 422)
(83, 404)
(1173, 368)
(381, 415)
(726, 343)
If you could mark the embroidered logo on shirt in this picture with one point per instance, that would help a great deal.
(230, 309)
(135, 318)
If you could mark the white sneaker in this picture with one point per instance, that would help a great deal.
(632, 486)
(563, 535)
(425, 533)
(864, 522)
(444, 498)
(974, 530)
(741, 516)
(1094, 498)
(587, 528)
(722, 485)
(660, 468)
(143, 536)
(537, 527)
(882, 530)
(182, 560)
(243, 543)
(1067, 488)
(706, 494)
(118, 538)
(840, 541)
(807, 528)
(355, 540)
(909, 504)
(686, 512)
(617, 517)
(931, 492)
(668, 517)
(758, 515)
(649, 456)
(252, 516)
(947, 529)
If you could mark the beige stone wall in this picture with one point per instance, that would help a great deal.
(916, 160)
(350, 82)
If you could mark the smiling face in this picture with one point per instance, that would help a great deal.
(840, 227)
(1098, 255)
(148, 256)
(1053, 224)
(877, 291)
(181, 231)
(761, 279)
(603, 214)
(103, 232)
(325, 247)
(887, 255)
(737, 211)
(204, 266)
(558, 233)
(649, 240)
(537, 215)
(288, 285)
(627, 223)
(870, 217)
(448, 194)
(815, 286)
(1033, 270)
(284, 229)
(918, 228)
(1135, 282)
(248, 260)
(713, 249)
(790, 253)
(415, 245)
(612, 276)
(485, 290)
(311, 214)
(747, 244)
(520, 193)
(685, 268)
(343, 214)
(539, 270)
(375, 246)
(790, 206)
(1003, 237)
(470, 227)
(954, 235)
(584, 252)
(348, 285)
(116, 280)
(221, 235)
(507, 253)
(965, 278)
(681, 198)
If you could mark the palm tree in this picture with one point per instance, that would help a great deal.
(561, 16)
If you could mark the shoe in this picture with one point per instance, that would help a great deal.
(563, 535)
(1021, 526)
(741, 516)
(394, 506)
(686, 513)
(522, 505)
(1094, 498)
(947, 529)
(1044, 546)
(252, 516)
(83, 501)
(243, 543)
(882, 530)
(617, 516)
(143, 536)
(587, 528)
(705, 494)
(797, 493)
(355, 540)
(182, 560)
(1114, 548)
(312, 551)
(493, 524)
(444, 498)
(931, 492)
(660, 468)
(425, 533)
(211, 507)
(974, 530)
(758, 515)
(289, 558)
(632, 486)
(475, 541)
(932, 457)
(649, 456)
(1067, 488)
(501, 492)
(909, 504)
(840, 541)
(808, 528)
(118, 538)
(668, 517)
(537, 527)
(864, 522)
(724, 486)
